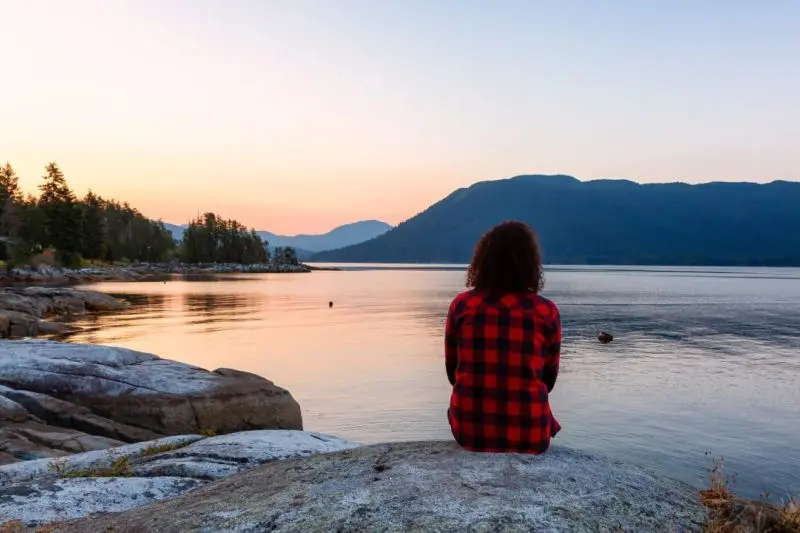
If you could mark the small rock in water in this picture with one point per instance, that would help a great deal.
(330, 304)
(604, 337)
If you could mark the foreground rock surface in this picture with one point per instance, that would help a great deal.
(22, 310)
(36, 493)
(61, 398)
(424, 486)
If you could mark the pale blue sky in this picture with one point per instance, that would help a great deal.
(299, 115)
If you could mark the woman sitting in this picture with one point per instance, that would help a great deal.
(502, 348)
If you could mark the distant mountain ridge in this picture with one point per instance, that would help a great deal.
(307, 245)
(338, 237)
(613, 222)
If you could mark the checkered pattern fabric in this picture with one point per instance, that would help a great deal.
(502, 356)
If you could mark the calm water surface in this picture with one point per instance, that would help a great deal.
(704, 360)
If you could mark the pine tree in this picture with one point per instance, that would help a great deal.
(94, 227)
(62, 216)
(10, 200)
(9, 184)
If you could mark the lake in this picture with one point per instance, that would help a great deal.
(705, 361)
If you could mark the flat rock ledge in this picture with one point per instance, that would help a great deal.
(23, 310)
(37, 493)
(421, 486)
(58, 399)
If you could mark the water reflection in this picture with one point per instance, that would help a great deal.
(209, 312)
(702, 360)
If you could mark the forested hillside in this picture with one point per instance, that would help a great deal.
(604, 222)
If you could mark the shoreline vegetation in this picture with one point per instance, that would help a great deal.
(727, 513)
(59, 231)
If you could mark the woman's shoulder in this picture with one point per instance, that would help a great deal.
(465, 298)
(543, 305)
(473, 299)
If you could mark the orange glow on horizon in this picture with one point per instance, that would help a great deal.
(295, 117)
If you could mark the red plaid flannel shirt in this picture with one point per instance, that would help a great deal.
(502, 356)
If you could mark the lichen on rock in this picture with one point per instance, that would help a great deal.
(54, 490)
(424, 486)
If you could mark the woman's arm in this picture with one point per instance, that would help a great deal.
(450, 345)
(552, 350)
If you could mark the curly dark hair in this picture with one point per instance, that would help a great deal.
(507, 259)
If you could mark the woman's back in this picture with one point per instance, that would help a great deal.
(502, 347)
(503, 356)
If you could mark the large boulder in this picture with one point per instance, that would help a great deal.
(423, 486)
(131, 396)
(36, 493)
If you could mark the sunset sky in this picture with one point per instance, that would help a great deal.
(299, 115)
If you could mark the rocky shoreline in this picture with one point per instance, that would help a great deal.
(34, 311)
(302, 481)
(61, 398)
(139, 272)
(98, 438)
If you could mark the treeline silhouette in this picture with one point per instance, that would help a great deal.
(101, 230)
(211, 239)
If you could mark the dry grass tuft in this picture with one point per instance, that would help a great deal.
(17, 526)
(729, 514)
(12, 526)
(118, 467)
(155, 449)
(790, 515)
(50, 528)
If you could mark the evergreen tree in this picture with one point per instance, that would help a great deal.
(9, 218)
(9, 184)
(62, 216)
(10, 198)
(33, 228)
(9, 228)
(94, 227)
